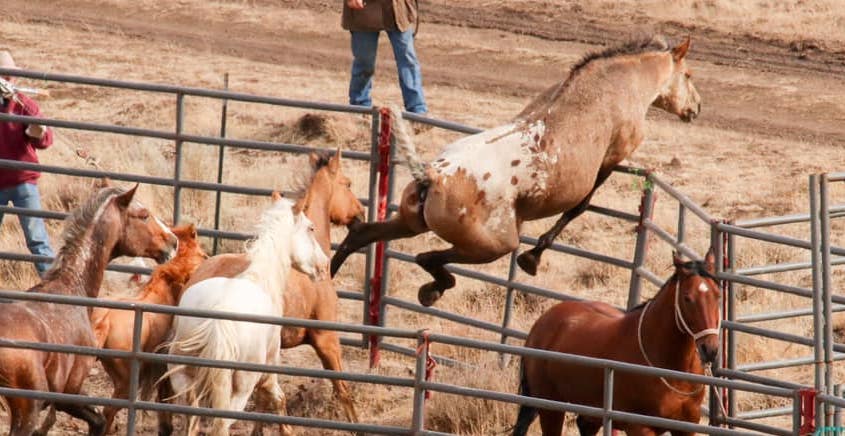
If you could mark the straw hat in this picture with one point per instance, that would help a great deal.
(6, 60)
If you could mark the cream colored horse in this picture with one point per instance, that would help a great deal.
(285, 239)
(548, 161)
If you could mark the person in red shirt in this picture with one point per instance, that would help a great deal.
(18, 142)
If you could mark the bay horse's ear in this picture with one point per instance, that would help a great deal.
(276, 196)
(676, 259)
(710, 261)
(192, 230)
(125, 199)
(101, 183)
(680, 51)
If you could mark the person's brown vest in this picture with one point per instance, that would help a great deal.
(379, 15)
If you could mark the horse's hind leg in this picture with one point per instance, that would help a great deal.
(271, 398)
(48, 422)
(587, 426)
(363, 234)
(530, 259)
(24, 413)
(551, 422)
(96, 422)
(434, 262)
(165, 419)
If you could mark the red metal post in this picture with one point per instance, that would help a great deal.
(808, 411)
(381, 215)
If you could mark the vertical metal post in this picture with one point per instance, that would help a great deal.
(391, 183)
(837, 414)
(220, 154)
(372, 198)
(646, 210)
(177, 170)
(682, 212)
(731, 316)
(827, 301)
(134, 371)
(716, 244)
(377, 286)
(504, 358)
(818, 317)
(796, 412)
(607, 422)
(418, 414)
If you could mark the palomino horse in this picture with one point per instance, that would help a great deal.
(285, 238)
(549, 160)
(113, 327)
(330, 201)
(108, 225)
(678, 329)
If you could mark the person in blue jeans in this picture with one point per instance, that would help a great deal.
(365, 20)
(18, 142)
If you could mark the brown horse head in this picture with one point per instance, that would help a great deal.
(141, 234)
(697, 302)
(190, 250)
(679, 96)
(344, 207)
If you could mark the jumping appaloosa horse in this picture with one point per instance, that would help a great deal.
(678, 329)
(330, 201)
(113, 327)
(549, 160)
(108, 225)
(285, 239)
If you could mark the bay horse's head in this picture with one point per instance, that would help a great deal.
(697, 302)
(678, 95)
(344, 207)
(141, 234)
(306, 253)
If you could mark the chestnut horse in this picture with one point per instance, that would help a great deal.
(549, 160)
(113, 327)
(108, 225)
(330, 201)
(285, 239)
(678, 329)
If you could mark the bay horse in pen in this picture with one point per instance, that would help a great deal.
(549, 160)
(107, 225)
(329, 200)
(678, 329)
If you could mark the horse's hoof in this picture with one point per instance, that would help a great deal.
(528, 262)
(429, 294)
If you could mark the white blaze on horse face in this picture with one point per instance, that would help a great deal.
(501, 163)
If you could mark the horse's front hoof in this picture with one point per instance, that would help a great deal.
(528, 262)
(429, 294)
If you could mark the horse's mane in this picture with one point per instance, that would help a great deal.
(303, 181)
(78, 223)
(637, 45)
(696, 267)
(634, 45)
(268, 266)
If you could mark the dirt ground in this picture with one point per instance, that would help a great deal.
(769, 73)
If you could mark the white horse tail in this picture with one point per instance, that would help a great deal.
(209, 339)
(406, 148)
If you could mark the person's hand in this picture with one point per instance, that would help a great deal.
(7, 90)
(35, 131)
(355, 4)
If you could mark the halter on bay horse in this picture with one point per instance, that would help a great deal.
(113, 327)
(108, 225)
(285, 239)
(678, 329)
(330, 201)
(549, 160)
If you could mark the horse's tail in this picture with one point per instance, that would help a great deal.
(406, 148)
(527, 414)
(209, 339)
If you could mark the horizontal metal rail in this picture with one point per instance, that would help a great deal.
(784, 267)
(778, 364)
(442, 314)
(766, 413)
(784, 219)
(773, 334)
(772, 316)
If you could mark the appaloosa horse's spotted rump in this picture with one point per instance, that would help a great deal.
(547, 161)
